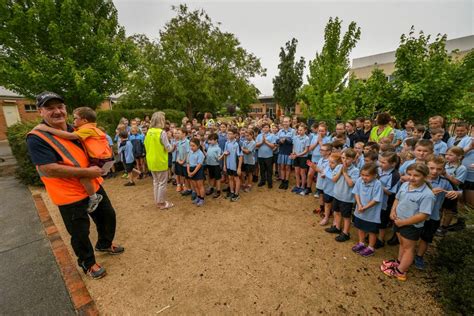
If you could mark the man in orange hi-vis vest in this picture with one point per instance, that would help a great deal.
(61, 163)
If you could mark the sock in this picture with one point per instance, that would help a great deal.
(93, 196)
(371, 248)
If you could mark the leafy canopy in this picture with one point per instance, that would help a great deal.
(322, 97)
(75, 48)
(194, 67)
(290, 77)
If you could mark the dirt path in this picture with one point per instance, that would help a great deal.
(264, 254)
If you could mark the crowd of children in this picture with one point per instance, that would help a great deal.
(373, 178)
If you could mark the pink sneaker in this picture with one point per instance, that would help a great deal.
(389, 264)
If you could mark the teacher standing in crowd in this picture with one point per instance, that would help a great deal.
(157, 148)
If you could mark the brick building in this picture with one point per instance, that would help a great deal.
(268, 105)
(15, 108)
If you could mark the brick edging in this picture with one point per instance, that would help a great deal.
(81, 299)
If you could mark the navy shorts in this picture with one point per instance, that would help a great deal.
(199, 175)
(409, 232)
(214, 172)
(327, 198)
(129, 167)
(180, 170)
(232, 173)
(247, 168)
(300, 162)
(366, 226)
(429, 230)
(345, 208)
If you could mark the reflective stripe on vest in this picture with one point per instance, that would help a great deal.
(63, 191)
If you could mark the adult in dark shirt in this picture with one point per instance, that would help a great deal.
(436, 122)
(363, 135)
(351, 133)
(52, 167)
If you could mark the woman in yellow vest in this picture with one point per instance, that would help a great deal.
(383, 129)
(157, 147)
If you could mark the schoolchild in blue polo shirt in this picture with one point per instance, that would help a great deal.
(439, 147)
(233, 164)
(265, 143)
(462, 139)
(390, 178)
(456, 173)
(315, 144)
(195, 170)
(368, 194)
(423, 148)
(359, 149)
(285, 144)
(412, 207)
(319, 168)
(328, 189)
(442, 189)
(222, 135)
(274, 129)
(125, 151)
(299, 156)
(182, 150)
(248, 150)
(344, 180)
(213, 159)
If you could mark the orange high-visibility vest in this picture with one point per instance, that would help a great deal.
(63, 191)
(97, 146)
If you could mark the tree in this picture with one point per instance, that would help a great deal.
(75, 48)
(328, 73)
(427, 80)
(290, 77)
(195, 67)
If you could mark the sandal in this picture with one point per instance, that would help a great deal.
(167, 205)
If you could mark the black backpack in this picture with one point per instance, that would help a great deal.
(138, 148)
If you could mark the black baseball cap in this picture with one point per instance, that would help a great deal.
(46, 96)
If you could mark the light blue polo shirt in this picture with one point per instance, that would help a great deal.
(126, 152)
(173, 142)
(385, 178)
(328, 183)
(221, 139)
(444, 184)
(405, 165)
(265, 151)
(249, 159)
(468, 161)
(412, 202)
(440, 148)
(367, 192)
(465, 141)
(342, 190)
(322, 164)
(459, 172)
(195, 158)
(182, 149)
(300, 143)
(234, 153)
(213, 154)
(316, 153)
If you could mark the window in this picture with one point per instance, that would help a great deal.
(31, 108)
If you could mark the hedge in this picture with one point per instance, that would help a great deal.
(109, 119)
(16, 134)
(454, 265)
(26, 171)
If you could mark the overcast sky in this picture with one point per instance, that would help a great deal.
(264, 26)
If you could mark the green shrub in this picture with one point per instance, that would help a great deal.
(26, 171)
(454, 264)
(109, 119)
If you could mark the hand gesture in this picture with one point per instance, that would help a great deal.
(451, 195)
(94, 171)
(437, 191)
(393, 215)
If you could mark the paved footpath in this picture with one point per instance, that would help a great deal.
(30, 280)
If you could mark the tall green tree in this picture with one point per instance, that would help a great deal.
(75, 48)
(196, 67)
(328, 73)
(427, 80)
(290, 77)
